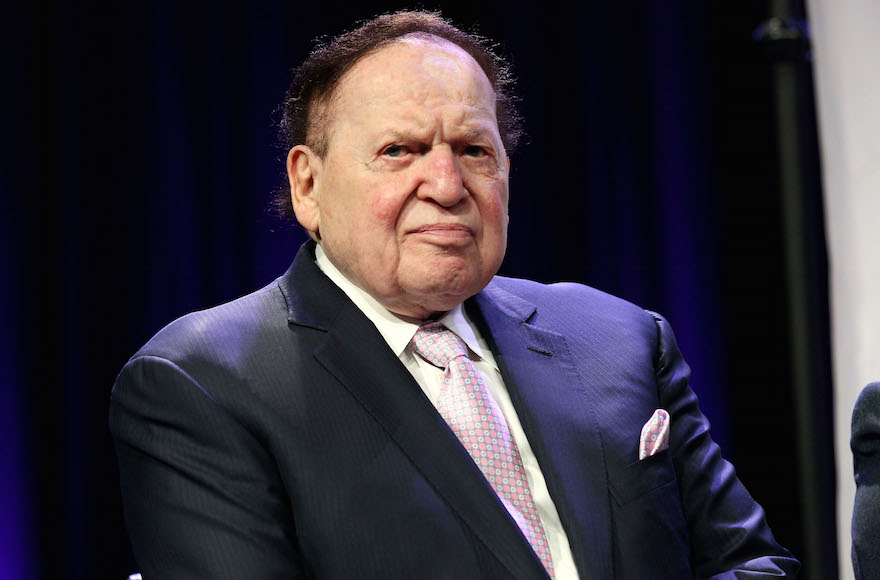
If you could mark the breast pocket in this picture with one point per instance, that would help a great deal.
(650, 533)
(641, 477)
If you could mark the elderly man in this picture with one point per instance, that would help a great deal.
(389, 408)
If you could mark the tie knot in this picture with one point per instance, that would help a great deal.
(437, 344)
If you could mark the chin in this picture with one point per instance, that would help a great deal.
(443, 288)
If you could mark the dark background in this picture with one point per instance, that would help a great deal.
(139, 157)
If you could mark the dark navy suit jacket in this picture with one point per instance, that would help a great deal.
(865, 445)
(277, 436)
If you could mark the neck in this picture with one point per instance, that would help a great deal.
(413, 320)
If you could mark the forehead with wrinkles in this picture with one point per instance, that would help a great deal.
(414, 68)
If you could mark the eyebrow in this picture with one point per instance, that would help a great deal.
(475, 133)
(398, 135)
(470, 134)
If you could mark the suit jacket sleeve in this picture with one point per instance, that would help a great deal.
(730, 537)
(865, 445)
(201, 493)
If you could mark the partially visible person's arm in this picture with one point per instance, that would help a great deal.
(202, 495)
(865, 445)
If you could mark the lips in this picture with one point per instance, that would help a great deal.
(443, 228)
(444, 231)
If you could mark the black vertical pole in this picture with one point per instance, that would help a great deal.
(787, 44)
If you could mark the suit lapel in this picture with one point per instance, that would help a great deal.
(358, 357)
(554, 407)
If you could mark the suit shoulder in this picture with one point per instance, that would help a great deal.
(220, 327)
(869, 399)
(866, 417)
(571, 299)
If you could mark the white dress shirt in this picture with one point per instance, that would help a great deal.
(397, 333)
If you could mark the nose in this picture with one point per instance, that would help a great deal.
(442, 182)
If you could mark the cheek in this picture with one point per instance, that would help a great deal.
(384, 206)
(494, 209)
(383, 210)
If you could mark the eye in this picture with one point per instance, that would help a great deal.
(474, 151)
(394, 150)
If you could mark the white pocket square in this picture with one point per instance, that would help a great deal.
(655, 434)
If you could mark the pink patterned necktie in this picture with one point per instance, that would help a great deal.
(467, 406)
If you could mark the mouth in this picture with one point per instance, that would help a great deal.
(444, 232)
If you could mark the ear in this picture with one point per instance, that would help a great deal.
(303, 166)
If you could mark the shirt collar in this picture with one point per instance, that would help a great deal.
(457, 321)
(396, 332)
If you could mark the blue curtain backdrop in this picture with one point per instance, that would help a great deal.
(140, 155)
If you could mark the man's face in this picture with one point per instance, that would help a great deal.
(411, 197)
